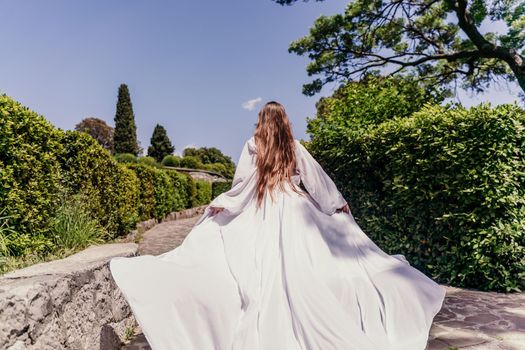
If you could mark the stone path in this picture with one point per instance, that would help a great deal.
(468, 319)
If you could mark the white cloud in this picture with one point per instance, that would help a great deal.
(250, 104)
(179, 153)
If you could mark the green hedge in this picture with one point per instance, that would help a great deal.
(219, 187)
(42, 166)
(171, 160)
(445, 187)
(181, 183)
(203, 194)
(30, 175)
(126, 158)
(88, 168)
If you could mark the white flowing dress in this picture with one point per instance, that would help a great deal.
(294, 275)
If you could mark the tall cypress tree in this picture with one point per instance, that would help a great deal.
(125, 136)
(160, 144)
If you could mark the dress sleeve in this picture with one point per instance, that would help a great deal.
(317, 182)
(238, 196)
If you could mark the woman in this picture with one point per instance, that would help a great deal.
(273, 265)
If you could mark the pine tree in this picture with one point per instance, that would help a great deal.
(125, 136)
(160, 144)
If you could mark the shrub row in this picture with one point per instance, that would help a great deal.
(445, 186)
(220, 187)
(42, 166)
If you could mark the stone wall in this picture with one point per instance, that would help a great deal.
(72, 303)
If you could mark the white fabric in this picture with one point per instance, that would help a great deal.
(294, 275)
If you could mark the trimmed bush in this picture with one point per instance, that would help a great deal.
(41, 166)
(163, 191)
(164, 194)
(217, 168)
(147, 196)
(149, 161)
(89, 169)
(30, 175)
(126, 158)
(203, 194)
(181, 184)
(219, 187)
(191, 191)
(445, 187)
(171, 160)
(191, 162)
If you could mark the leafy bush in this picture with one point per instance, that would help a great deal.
(112, 191)
(171, 160)
(149, 161)
(211, 155)
(146, 181)
(444, 186)
(191, 162)
(126, 158)
(30, 176)
(164, 194)
(40, 165)
(217, 168)
(191, 191)
(163, 191)
(181, 185)
(203, 193)
(374, 100)
(219, 187)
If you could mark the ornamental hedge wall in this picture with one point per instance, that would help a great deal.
(444, 186)
(42, 166)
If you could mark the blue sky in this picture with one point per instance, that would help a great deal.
(189, 65)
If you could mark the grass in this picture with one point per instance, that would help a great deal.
(72, 229)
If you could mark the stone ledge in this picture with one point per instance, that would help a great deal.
(66, 303)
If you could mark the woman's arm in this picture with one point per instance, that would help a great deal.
(234, 198)
(318, 184)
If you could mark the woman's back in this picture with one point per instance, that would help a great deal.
(287, 272)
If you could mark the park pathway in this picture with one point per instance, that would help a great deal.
(468, 319)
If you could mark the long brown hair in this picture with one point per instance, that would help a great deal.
(275, 150)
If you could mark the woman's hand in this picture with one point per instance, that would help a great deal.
(215, 210)
(345, 209)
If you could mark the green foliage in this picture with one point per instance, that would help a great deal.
(146, 181)
(125, 134)
(90, 169)
(181, 183)
(207, 156)
(191, 191)
(73, 227)
(165, 199)
(171, 160)
(372, 101)
(163, 191)
(149, 161)
(99, 130)
(440, 42)
(126, 158)
(217, 168)
(203, 193)
(444, 186)
(30, 174)
(41, 165)
(160, 144)
(219, 187)
(191, 162)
